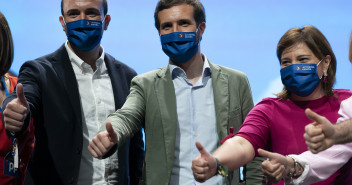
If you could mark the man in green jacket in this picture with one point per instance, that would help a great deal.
(189, 100)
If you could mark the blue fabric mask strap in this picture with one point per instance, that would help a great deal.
(5, 89)
(4, 85)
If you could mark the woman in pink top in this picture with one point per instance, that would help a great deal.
(308, 67)
(319, 136)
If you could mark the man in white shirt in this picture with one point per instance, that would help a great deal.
(69, 93)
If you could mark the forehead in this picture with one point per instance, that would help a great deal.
(82, 4)
(300, 48)
(175, 13)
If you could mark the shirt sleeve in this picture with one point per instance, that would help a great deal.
(256, 126)
(127, 120)
(345, 111)
(321, 166)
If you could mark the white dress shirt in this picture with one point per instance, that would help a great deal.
(97, 102)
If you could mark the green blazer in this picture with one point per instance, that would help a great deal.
(152, 104)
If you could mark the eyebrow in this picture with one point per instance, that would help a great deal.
(304, 55)
(87, 10)
(165, 23)
(71, 11)
(308, 55)
(93, 10)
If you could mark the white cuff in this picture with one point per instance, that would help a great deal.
(305, 164)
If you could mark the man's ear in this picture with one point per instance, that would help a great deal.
(63, 24)
(201, 28)
(107, 21)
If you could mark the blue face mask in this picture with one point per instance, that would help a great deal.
(180, 46)
(84, 34)
(300, 79)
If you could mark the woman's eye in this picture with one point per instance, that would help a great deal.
(284, 62)
(304, 59)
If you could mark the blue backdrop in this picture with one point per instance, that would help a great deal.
(240, 34)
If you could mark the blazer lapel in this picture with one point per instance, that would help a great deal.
(165, 93)
(64, 70)
(115, 81)
(221, 99)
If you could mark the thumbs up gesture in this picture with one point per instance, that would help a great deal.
(276, 167)
(16, 111)
(103, 142)
(203, 166)
(319, 135)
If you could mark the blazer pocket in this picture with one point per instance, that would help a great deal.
(235, 119)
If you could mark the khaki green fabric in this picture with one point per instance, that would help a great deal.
(152, 103)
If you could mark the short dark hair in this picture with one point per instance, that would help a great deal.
(105, 5)
(6, 46)
(199, 11)
(318, 44)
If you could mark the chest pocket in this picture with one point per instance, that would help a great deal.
(235, 119)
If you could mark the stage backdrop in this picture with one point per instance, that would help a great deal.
(240, 34)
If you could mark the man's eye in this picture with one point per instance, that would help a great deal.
(184, 23)
(166, 27)
(73, 14)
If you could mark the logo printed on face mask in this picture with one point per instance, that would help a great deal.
(84, 34)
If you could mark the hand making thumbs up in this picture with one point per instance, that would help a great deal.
(103, 142)
(319, 134)
(203, 166)
(16, 111)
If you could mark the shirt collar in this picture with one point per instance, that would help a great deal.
(80, 63)
(176, 71)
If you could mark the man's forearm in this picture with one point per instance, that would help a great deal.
(343, 132)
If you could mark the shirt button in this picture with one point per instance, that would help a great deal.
(196, 134)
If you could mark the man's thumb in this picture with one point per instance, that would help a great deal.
(20, 95)
(314, 116)
(112, 133)
(202, 151)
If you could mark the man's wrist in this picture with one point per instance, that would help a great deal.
(221, 169)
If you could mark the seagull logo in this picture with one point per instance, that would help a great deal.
(180, 35)
(298, 68)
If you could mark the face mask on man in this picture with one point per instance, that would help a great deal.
(84, 34)
(301, 79)
(180, 46)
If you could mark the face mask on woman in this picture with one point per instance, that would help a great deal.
(301, 79)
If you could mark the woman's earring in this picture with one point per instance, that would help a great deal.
(325, 75)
